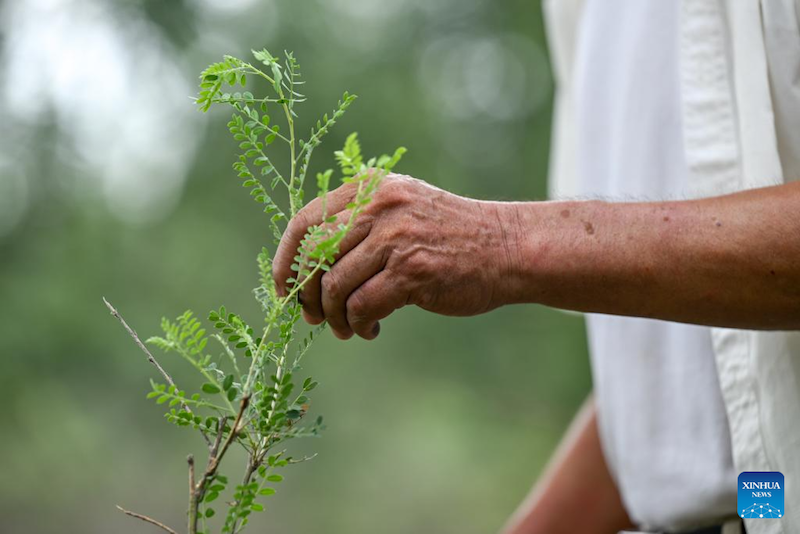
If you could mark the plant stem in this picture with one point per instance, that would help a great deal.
(202, 370)
(293, 293)
(193, 503)
(253, 463)
(290, 121)
(215, 456)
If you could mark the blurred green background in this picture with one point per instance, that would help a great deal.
(111, 184)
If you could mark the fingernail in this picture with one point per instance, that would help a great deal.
(376, 329)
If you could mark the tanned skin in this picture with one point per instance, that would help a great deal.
(730, 261)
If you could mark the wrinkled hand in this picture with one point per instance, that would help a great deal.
(413, 244)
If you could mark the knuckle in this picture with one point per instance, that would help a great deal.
(395, 192)
(396, 180)
(390, 181)
(331, 285)
(415, 265)
(365, 219)
(397, 233)
(357, 308)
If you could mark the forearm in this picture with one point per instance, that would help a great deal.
(576, 493)
(729, 261)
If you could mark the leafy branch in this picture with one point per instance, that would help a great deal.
(250, 390)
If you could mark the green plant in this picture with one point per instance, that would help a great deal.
(250, 393)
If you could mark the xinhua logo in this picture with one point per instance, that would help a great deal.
(761, 495)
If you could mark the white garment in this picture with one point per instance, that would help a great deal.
(733, 61)
(650, 376)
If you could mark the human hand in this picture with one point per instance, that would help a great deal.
(412, 244)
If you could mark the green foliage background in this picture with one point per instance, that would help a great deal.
(440, 425)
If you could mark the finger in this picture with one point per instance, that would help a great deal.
(310, 215)
(344, 277)
(311, 294)
(374, 300)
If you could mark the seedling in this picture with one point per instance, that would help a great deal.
(250, 392)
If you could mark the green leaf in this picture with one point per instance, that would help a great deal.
(267, 491)
(227, 383)
(210, 388)
(275, 478)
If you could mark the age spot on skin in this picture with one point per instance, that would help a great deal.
(565, 214)
(666, 219)
(588, 227)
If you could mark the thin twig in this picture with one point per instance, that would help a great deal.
(138, 341)
(146, 519)
(150, 357)
(235, 429)
(190, 461)
(217, 441)
(193, 504)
